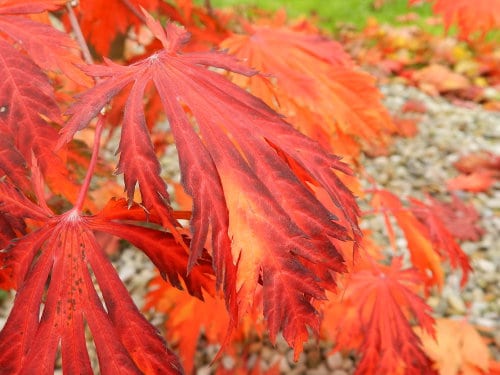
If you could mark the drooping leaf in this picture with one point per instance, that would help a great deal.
(27, 111)
(315, 84)
(29, 6)
(49, 48)
(181, 328)
(373, 316)
(423, 255)
(470, 17)
(442, 240)
(264, 223)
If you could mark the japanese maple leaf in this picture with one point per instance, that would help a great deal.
(470, 17)
(315, 84)
(264, 223)
(441, 237)
(459, 218)
(53, 266)
(479, 170)
(184, 332)
(49, 48)
(423, 254)
(457, 348)
(180, 327)
(475, 182)
(477, 161)
(373, 316)
(26, 103)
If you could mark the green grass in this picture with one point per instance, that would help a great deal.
(333, 12)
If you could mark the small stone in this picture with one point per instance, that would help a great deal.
(347, 364)
(298, 370)
(485, 266)
(267, 353)
(228, 362)
(284, 366)
(313, 358)
(320, 370)
(334, 361)
(281, 344)
(456, 304)
(204, 370)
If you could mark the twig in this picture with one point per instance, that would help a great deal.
(87, 56)
(134, 10)
(93, 161)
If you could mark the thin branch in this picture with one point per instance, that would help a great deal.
(87, 56)
(93, 162)
(134, 10)
(210, 9)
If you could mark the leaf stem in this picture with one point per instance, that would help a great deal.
(101, 120)
(87, 56)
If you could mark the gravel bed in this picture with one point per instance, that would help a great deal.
(415, 165)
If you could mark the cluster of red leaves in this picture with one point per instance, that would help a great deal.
(273, 226)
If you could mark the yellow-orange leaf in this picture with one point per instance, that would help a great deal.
(457, 349)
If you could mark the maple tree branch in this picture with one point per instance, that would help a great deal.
(134, 10)
(79, 35)
(101, 120)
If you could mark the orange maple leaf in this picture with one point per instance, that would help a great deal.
(314, 83)
(456, 349)
(470, 16)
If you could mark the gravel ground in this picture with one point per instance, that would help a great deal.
(421, 163)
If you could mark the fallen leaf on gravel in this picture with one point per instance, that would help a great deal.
(414, 105)
(407, 127)
(437, 78)
(482, 160)
(457, 349)
(475, 182)
(459, 218)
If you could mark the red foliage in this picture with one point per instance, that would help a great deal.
(273, 230)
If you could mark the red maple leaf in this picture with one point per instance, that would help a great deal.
(264, 222)
(475, 182)
(28, 110)
(459, 218)
(49, 48)
(423, 254)
(373, 315)
(64, 255)
(442, 239)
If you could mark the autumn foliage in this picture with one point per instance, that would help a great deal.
(260, 115)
